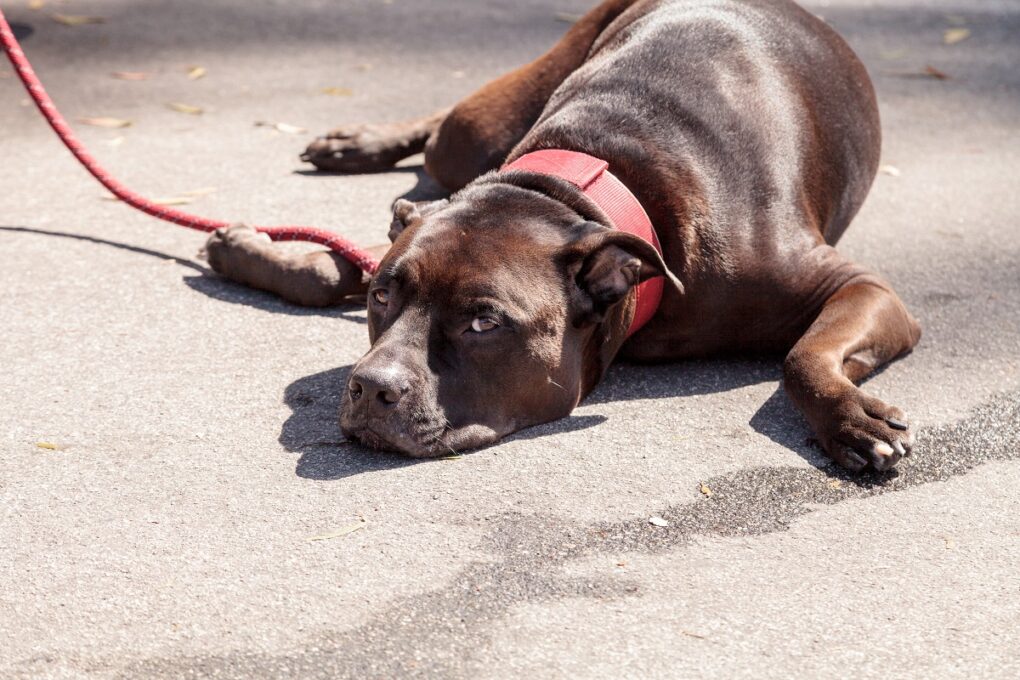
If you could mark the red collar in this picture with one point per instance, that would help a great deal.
(591, 175)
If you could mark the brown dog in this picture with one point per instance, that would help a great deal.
(748, 131)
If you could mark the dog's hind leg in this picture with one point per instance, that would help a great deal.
(862, 326)
(476, 135)
(371, 148)
(313, 279)
(479, 132)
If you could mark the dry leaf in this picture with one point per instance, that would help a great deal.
(890, 170)
(130, 75)
(892, 55)
(196, 72)
(204, 191)
(290, 129)
(106, 122)
(282, 127)
(185, 108)
(49, 446)
(337, 91)
(658, 521)
(567, 17)
(36, 4)
(116, 141)
(835, 484)
(954, 35)
(927, 72)
(76, 19)
(349, 529)
(705, 491)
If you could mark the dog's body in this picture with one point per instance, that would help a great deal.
(749, 132)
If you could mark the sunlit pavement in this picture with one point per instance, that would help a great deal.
(197, 448)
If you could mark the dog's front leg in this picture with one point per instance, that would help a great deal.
(862, 326)
(315, 279)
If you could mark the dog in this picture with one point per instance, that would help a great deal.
(743, 133)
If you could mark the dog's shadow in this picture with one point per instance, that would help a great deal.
(425, 188)
(777, 418)
(313, 428)
(219, 288)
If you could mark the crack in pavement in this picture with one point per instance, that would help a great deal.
(440, 633)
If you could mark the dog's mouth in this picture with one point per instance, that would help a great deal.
(430, 443)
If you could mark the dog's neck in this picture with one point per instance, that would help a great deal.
(604, 339)
(591, 176)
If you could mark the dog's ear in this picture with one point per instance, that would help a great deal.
(407, 214)
(605, 264)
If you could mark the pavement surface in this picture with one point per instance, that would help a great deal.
(198, 451)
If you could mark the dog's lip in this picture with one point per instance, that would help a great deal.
(396, 442)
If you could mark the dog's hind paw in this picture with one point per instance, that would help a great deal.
(359, 148)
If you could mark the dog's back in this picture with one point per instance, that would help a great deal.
(767, 103)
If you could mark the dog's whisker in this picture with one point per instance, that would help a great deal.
(439, 440)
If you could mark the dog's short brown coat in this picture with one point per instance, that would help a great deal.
(750, 133)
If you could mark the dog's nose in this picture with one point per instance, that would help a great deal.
(377, 388)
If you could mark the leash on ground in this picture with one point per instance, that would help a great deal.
(23, 68)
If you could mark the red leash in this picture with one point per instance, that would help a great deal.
(12, 49)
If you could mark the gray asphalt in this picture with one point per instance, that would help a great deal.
(195, 421)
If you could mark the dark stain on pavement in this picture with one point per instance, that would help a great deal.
(439, 633)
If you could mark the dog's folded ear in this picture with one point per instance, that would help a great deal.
(605, 264)
(408, 214)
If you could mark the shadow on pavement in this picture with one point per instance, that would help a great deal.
(22, 31)
(313, 428)
(107, 242)
(426, 189)
(225, 290)
(211, 285)
(777, 418)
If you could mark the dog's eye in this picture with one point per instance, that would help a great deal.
(482, 324)
(381, 295)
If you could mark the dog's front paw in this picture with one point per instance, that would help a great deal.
(229, 248)
(858, 431)
(358, 148)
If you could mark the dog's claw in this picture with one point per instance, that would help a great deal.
(896, 424)
(876, 431)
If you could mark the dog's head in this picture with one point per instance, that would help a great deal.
(494, 311)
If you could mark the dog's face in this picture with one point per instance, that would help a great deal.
(482, 317)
